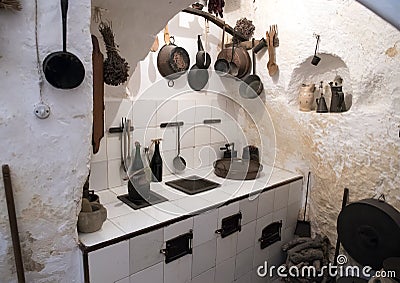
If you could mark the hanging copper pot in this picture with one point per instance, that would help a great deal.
(240, 57)
(172, 61)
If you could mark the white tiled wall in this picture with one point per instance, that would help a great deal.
(200, 143)
(114, 259)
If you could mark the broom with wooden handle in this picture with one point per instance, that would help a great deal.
(303, 227)
(10, 5)
(13, 223)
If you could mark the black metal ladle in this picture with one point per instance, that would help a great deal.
(63, 69)
(179, 162)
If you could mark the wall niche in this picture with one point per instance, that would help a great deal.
(328, 68)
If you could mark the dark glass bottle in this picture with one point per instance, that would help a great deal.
(138, 185)
(137, 163)
(156, 163)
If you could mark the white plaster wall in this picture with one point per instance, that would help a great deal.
(48, 158)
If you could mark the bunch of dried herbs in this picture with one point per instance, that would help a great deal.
(115, 67)
(245, 27)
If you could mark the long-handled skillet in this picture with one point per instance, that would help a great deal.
(63, 69)
(252, 85)
(198, 74)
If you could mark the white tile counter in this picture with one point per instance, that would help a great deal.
(123, 220)
(129, 247)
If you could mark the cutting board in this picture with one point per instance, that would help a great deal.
(98, 95)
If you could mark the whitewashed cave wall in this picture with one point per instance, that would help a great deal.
(358, 149)
(48, 158)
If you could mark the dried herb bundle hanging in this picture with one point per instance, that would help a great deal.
(115, 67)
(10, 5)
(245, 27)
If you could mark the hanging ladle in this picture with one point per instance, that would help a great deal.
(63, 69)
(233, 68)
(221, 66)
(179, 162)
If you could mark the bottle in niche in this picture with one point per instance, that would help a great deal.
(146, 163)
(321, 104)
(138, 184)
(156, 163)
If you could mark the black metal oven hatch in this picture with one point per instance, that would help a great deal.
(270, 234)
(230, 225)
(178, 247)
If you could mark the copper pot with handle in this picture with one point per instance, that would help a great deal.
(172, 61)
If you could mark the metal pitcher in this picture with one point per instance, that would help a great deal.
(337, 100)
(321, 105)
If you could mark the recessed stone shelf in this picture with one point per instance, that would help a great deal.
(328, 68)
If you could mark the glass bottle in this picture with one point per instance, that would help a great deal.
(146, 164)
(138, 185)
(156, 163)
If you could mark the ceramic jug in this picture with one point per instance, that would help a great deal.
(306, 97)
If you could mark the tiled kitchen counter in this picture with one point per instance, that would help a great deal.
(274, 196)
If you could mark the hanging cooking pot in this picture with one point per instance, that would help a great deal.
(63, 69)
(252, 85)
(172, 61)
(241, 59)
(237, 169)
(369, 230)
(203, 59)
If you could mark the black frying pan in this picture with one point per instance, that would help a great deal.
(252, 85)
(197, 78)
(63, 69)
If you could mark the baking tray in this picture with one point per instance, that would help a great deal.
(192, 184)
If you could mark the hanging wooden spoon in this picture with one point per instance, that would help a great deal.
(271, 65)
